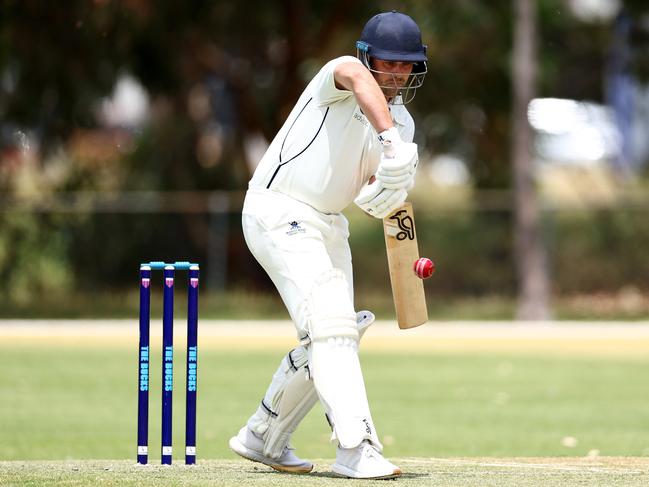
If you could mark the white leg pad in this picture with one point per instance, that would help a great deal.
(339, 381)
(363, 321)
(333, 361)
(290, 397)
(298, 399)
(330, 308)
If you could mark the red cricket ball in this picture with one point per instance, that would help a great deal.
(424, 268)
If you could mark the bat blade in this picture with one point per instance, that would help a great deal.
(407, 288)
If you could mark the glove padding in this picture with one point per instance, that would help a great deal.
(378, 201)
(398, 171)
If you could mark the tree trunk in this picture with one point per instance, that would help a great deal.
(531, 265)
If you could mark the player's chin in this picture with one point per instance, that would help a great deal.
(391, 93)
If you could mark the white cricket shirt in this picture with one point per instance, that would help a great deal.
(326, 150)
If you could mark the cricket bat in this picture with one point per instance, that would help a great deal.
(402, 250)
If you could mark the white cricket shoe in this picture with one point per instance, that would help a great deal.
(364, 462)
(250, 446)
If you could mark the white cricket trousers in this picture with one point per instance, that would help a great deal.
(295, 244)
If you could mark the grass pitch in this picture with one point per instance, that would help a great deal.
(418, 472)
(481, 407)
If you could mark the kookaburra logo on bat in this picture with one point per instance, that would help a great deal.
(406, 225)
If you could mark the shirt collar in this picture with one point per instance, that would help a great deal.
(399, 114)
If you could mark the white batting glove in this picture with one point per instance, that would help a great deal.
(390, 139)
(368, 193)
(379, 202)
(398, 161)
(393, 199)
(366, 196)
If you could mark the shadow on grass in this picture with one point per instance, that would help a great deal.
(330, 475)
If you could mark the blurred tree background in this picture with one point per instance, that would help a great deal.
(129, 130)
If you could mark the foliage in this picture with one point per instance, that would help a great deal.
(221, 75)
(253, 67)
(33, 258)
(599, 251)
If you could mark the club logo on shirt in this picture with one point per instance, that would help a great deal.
(295, 228)
(361, 118)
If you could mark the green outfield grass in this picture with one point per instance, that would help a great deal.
(70, 402)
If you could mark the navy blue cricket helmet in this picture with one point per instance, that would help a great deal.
(393, 36)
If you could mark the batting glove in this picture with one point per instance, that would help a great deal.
(393, 199)
(379, 202)
(398, 161)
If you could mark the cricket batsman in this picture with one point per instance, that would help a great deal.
(348, 139)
